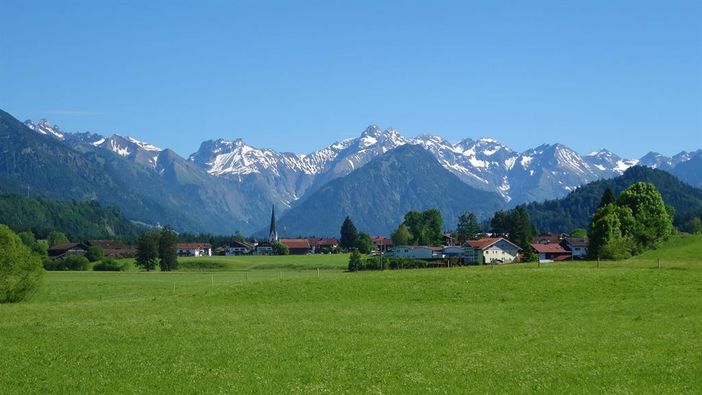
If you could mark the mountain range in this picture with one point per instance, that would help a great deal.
(227, 185)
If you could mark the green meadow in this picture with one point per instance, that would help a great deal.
(279, 325)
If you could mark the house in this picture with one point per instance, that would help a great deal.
(490, 250)
(69, 249)
(416, 252)
(577, 246)
(323, 245)
(382, 243)
(297, 246)
(113, 248)
(194, 249)
(551, 252)
(264, 248)
(449, 240)
(548, 238)
(453, 251)
(239, 248)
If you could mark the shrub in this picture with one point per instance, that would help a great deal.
(108, 265)
(20, 270)
(94, 254)
(75, 262)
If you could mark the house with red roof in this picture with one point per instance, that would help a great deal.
(490, 250)
(297, 246)
(551, 252)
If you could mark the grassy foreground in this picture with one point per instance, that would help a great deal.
(566, 328)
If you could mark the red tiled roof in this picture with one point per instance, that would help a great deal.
(378, 240)
(324, 242)
(552, 248)
(296, 243)
(193, 246)
(483, 243)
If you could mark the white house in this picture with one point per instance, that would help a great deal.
(239, 248)
(194, 249)
(415, 252)
(578, 246)
(491, 250)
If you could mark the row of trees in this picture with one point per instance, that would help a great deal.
(158, 246)
(635, 221)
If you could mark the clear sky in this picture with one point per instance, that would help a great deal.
(299, 75)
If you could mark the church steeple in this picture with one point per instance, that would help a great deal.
(273, 234)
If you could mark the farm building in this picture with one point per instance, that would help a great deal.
(382, 243)
(68, 249)
(297, 246)
(264, 248)
(551, 252)
(491, 250)
(239, 248)
(323, 245)
(453, 251)
(416, 252)
(194, 249)
(113, 248)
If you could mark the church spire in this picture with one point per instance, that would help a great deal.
(273, 234)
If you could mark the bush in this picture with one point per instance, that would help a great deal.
(108, 265)
(20, 270)
(94, 254)
(75, 262)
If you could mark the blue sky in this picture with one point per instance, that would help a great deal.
(299, 75)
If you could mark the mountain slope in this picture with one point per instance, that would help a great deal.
(576, 209)
(378, 195)
(167, 189)
(78, 220)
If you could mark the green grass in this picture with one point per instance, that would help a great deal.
(249, 263)
(561, 328)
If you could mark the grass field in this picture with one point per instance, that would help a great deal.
(280, 326)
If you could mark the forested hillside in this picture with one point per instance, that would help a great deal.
(576, 209)
(78, 220)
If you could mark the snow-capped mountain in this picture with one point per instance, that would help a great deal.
(545, 172)
(125, 146)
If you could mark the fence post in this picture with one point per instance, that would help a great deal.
(317, 272)
(598, 261)
(659, 263)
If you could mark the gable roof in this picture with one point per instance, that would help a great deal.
(296, 243)
(551, 248)
(324, 242)
(486, 242)
(241, 244)
(108, 244)
(67, 247)
(577, 241)
(193, 246)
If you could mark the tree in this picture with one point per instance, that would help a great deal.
(578, 232)
(653, 222)
(607, 198)
(355, 261)
(467, 227)
(364, 244)
(424, 227)
(694, 225)
(20, 269)
(521, 231)
(56, 238)
(280, 248)
(167, 249)
(94, 253)
(147, 250)
(348, 234)
(39, 247)
(499, 224)
(610, 232)
(401, 236)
